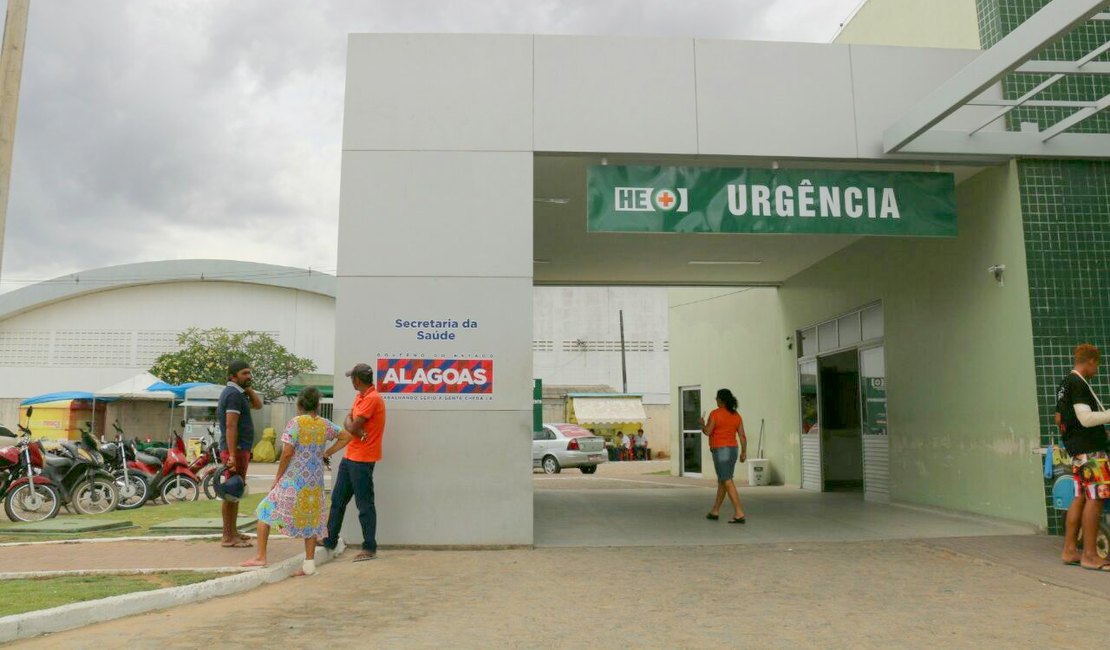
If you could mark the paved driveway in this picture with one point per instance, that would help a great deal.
(620, 507)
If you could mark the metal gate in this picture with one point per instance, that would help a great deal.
(876, 442)
(812, 474)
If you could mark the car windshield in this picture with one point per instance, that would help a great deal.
(572, 431)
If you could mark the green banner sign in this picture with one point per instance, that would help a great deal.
(770, 201)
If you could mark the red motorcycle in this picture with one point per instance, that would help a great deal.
(171, 476)
(28, 495)
(207, 465)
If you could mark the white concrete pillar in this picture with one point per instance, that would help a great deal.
(436, 225)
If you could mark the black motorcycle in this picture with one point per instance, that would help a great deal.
(78, 470)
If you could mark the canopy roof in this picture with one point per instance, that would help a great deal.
(179, 389)
(304, 380)
(608, 409)
(203, 395)
(137, 388)
(65, 396)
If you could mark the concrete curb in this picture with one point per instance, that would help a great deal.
(135, 538)
(61, 573)
(67, 617)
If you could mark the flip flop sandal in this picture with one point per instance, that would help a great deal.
(738, 520)
(712, 517)
(364, 556)
(1104, 568)
(1072, 563)
(239, 543)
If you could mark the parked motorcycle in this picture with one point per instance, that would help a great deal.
(133, 484)
(28, 495)
(207, 465)
(171, 476)
(78, 470)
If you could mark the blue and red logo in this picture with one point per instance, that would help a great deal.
(450, 376)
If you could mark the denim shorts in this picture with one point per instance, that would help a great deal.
(724, 461)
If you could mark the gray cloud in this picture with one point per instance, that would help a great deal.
(211, 128)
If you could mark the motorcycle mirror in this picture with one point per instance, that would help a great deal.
(183, 424)
(30, 410)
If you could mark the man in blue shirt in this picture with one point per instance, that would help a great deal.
(236, 439)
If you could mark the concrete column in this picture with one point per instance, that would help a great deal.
(11, 72)
(436, 225)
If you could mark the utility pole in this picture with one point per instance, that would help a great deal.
(11, 73)
(624, 366)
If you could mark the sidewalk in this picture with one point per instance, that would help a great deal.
(152, 554)
(1000, 592)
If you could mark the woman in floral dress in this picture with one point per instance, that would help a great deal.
(295, 505)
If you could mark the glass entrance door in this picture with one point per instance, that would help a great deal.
(691, 432)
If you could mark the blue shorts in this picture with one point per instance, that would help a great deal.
(724, 461)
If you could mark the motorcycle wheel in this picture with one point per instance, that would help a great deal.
(22, 504)
(180, 488)
(95, 497)
(133, 492)
(208, 484)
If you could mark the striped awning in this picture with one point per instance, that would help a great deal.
(608, 410)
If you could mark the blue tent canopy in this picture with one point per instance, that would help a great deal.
(178, 390)
(63, 397)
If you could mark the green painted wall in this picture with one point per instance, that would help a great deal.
(913, 23)
(959, 352)
(1066, 212)
(732, 338)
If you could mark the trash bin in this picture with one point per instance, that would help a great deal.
(757, 471)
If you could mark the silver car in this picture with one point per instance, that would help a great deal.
(567, 445)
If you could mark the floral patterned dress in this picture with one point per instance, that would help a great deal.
(296, 506)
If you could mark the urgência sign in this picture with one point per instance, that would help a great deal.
(782, 201)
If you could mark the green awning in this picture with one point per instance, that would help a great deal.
(292, 390)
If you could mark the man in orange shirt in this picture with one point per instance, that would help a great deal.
(355, 476)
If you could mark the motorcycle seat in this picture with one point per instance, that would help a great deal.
(57, 462)
(159, 452)
(147, 459)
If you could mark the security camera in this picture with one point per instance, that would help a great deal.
(997, 270)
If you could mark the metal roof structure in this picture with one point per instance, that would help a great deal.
(977, 85)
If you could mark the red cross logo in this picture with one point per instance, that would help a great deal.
(666, 199)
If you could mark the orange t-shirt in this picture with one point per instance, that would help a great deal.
(725, 426)
(370, 405)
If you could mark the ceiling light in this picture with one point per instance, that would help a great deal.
(725, 262)
(557, 201)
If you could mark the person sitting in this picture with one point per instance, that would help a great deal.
(639, 443)
(625, 446)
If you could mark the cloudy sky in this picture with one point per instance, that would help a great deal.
(176, 129)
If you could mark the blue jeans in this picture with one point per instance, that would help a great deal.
(724, 462)
(353, 479)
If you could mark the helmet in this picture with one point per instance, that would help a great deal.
(230, 487)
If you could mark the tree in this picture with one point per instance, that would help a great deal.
(205, 354)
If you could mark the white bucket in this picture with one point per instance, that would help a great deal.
(758, 472)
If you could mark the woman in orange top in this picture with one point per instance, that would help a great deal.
(724, 428)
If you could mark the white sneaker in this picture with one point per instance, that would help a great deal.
(339, 548)
(308, 567)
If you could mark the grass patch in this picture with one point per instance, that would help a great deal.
(29, 595)
(144, 517)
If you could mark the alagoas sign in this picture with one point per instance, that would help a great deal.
(782, 201)
(435, 376)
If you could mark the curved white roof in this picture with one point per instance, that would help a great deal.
(164, 272)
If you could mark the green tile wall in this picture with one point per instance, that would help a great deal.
(1066, 215)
